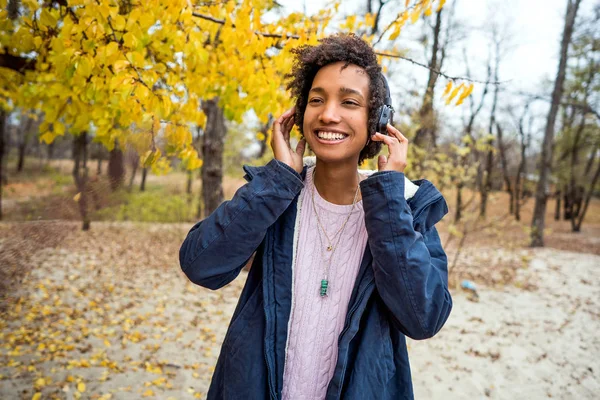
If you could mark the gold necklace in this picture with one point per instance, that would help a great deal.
(329, 241)
(325, 281)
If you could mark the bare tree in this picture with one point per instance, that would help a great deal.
(474, 111)
(212, 150)
(2, 137)
(541, 195)
(80, 175)
(525, 139)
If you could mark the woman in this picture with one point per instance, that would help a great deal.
(346, 265)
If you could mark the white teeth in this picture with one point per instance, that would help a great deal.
(330, 135)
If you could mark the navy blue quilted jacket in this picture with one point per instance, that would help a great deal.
(401, 288)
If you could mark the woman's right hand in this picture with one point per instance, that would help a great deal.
(280, 142)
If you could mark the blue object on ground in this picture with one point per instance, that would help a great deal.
(468, 285)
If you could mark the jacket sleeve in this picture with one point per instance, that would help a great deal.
(410, 267)
(217, 248)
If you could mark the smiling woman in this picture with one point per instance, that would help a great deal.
(346, 265)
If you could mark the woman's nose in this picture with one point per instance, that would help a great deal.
(329, 114)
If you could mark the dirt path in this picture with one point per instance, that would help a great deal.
(119, 320)
(520, 344)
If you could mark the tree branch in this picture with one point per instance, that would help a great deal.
(281, 36)
(437, 71)
(265, 34)
(17, 64)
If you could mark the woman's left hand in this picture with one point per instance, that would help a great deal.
(398, 150)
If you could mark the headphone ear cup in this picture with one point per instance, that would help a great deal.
(385, 117)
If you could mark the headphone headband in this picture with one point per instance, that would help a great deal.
(388, 96)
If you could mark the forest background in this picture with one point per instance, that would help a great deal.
(124, 122)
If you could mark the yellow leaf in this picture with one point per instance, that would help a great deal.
(447, 89)
(77, 197)
(47, 19)
(414, 16)
(120, 65)
(454, 92)
(81, 387)
(106, 343)
(130, 40)
(118, 22)
(396, 32)
(441, 5)
(148, 393)
(37, 396)
(58, 128)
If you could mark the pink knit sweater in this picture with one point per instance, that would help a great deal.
(315, 321)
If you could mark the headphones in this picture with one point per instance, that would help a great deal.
(386, 111)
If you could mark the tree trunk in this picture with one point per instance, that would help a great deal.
(557, 208)
(212, 149)
(487, 182)
(25, 134)
(590, 192)
(99, 166)
(458, 214)
(507, 182)
(143, 184)
(426, 114)
(133, 172)
(521, 169)
(80, 175)
(190, 179)
(116, 168)
(2, 128)
(541, 196)
(590, 161)
(50, 151)
(486, 187)
(573, 191)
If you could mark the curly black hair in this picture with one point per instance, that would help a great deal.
(349, 49)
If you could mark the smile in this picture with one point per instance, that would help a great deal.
(330, 137)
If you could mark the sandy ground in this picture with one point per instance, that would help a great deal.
(519, 344)
(102, 322)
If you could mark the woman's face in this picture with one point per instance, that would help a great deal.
(337, 113)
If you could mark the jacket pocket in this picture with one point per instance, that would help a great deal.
(388, 346)
(250, 319)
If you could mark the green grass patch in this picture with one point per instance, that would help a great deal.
(156, 204)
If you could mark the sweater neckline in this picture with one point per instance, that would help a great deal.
(324, 204)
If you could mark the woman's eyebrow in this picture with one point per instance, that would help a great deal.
(346, 90)
(343, 90)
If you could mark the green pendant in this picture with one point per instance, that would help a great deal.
(324, 284)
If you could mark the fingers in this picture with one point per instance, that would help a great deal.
(283, 125)
(381, 162)
(301, 147)
(388, 140)
(398, 149)
(396, 133)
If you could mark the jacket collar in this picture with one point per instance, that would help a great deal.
(410, 188)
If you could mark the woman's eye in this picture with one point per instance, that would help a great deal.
(314, 101)
(350, 102)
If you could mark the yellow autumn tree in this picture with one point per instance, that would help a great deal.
(129, 70)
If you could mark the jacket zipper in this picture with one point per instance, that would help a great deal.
(347, 326)
(269, 380)
(273, 396)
